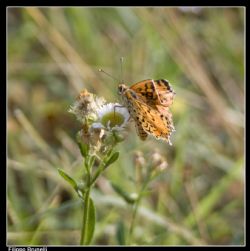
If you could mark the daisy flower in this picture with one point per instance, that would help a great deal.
(112, 117)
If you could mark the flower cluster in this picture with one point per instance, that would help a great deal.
(149, 167)
(102, 122)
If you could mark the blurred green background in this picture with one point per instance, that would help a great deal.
(54, 53)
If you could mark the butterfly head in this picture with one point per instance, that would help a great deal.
(122, 88)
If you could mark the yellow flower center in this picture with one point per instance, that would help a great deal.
(115, 118)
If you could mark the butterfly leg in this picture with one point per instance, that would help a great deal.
(117, 106)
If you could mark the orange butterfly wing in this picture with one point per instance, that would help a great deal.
(140, 131)
(154, 92)
(158, 94)
(148, 120)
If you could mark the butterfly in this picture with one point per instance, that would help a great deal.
(148, 103)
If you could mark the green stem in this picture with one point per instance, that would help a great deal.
(100, 169)
(135, 210)
(85, 218)
(89, 161)
(86, 206)
(96, 175)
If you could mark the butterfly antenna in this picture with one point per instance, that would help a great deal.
(121, 62)
(101, 70)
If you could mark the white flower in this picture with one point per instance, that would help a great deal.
(112, 117)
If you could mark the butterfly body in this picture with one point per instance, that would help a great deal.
(147, 102)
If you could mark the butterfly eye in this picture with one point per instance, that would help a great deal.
(121, 89)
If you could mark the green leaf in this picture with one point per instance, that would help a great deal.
(70, 180)
(112, 159)
(81, 189)
(120, 233)
(130, 198)
(90, 223)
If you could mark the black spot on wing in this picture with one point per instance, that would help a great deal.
(163, 82)
(149, 85)
(149, 94)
